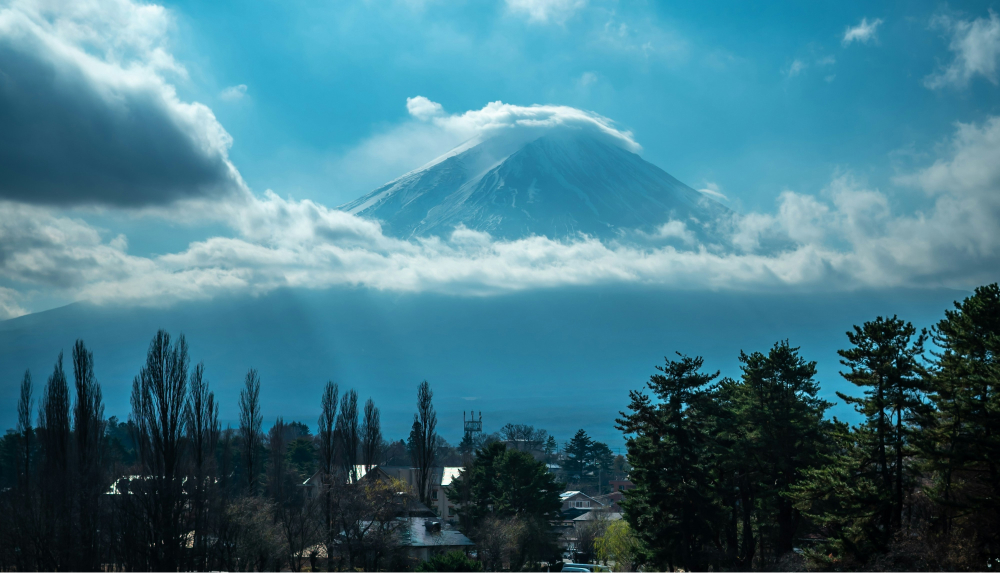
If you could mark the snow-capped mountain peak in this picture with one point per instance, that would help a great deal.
(557, 183)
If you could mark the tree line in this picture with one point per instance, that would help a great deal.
(749, 473)
(171, 489)
(744, 473)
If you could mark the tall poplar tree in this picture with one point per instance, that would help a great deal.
(203, 430)
(91, 483)
(327, 459)
(56, 485)
(348, 434)
(251, 421)
(423, 438)
(157, 421)
(371, 436)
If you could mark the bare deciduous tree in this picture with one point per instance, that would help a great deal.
(499, 542)
(423, 439)
(371, 436)
(251, 421)
(276, 464)
(202, 413)
(524, 437)
(327, 452)
(54, 431)
(368, 511)
(347, 426)
(157, 420)
(25, 404)
(88, 426)
(327, 422)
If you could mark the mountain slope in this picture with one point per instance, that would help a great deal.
(557, 185)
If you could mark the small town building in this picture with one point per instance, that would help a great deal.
(578, 500)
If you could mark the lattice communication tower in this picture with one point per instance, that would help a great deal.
(473, 427)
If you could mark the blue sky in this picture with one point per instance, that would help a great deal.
(709, 90)
(191, 150)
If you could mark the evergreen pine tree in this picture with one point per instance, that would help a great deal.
(578, 456)
(780, 434)
(961, 440)
(672, 508)
(885, 360)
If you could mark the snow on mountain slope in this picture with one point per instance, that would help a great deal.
(557, 184)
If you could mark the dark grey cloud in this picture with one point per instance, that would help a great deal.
(77, 129)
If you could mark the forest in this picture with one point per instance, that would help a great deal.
(729, 474)
(749, 473)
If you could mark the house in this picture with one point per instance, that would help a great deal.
(314, 482)
(572, 500)
(621, 485)
(419, 532)
(439, 479)
(618, 489)
(423, 537)
(575, 504)
(597, 515)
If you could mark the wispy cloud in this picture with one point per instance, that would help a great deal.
(795, 68)
(976, 45)
(233, 93)
(863, 32)
(712, 190)
(546, 11)
(9, 307)
(642, 38)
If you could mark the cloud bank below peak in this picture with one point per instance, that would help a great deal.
(847, 237)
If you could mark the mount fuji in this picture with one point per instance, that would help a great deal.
(557, 183)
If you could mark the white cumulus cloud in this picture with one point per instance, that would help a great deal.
(497, 117)
(88, 113)
(431, 132)
(422, 108)
(846, 237)
(976, 45)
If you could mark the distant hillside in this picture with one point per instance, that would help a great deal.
(561, 360)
